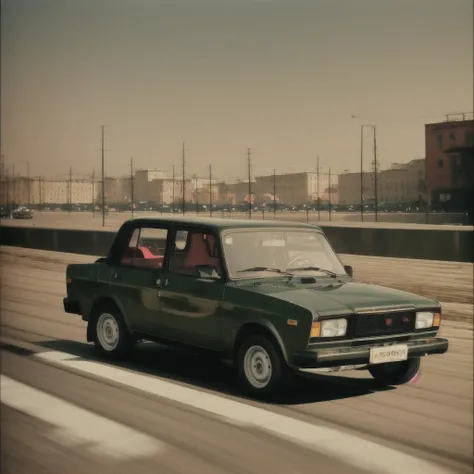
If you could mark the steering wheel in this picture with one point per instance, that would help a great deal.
(302, 262)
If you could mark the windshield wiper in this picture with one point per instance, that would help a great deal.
(263, 269)
(317, 269)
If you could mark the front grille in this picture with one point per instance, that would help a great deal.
(382, 324)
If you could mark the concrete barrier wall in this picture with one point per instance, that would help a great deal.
(86, 242)
(426, 244)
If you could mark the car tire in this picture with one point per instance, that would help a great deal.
(112, 339)
(262, 369)
(396, 373)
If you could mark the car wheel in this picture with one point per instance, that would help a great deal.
(261, 367)
(395, 373)
(111, 336)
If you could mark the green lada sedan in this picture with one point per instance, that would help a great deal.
(273, 297)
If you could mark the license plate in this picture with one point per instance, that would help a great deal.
(381, 355)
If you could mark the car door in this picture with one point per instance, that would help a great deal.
(135, 278)
(191, 300)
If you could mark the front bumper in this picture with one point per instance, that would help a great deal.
(360, 355)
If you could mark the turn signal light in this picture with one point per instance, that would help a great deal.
(437, 320)
(316, 329)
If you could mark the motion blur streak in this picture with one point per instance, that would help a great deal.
(74, 423)
(353, 450)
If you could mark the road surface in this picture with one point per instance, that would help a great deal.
(169, 411)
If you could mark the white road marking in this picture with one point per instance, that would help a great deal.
(75, 426)
(359, 452)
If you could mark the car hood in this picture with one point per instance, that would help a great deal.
(341, 298)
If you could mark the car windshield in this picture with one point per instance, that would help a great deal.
(261, 253)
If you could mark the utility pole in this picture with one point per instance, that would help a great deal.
(7, 189)
(375, 174)
(132, 188)
(29, 183)
(274, 194)
(3, 178)
(70, 190)
(210, 190)
(184, 183)
(103, 179)
(197, 193)
(5, 183)
(93, 192)
(330, 200)
(361, 173)
(163, 193)
(14, 186)
(319, 199)
(172, 205)
(249, 160)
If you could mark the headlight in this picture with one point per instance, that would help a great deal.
(427, 319)
(333, 327)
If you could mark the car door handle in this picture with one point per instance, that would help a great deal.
(116, 276)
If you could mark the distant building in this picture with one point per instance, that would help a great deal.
(296, 188)
(169, 191)
(236, 193)
(118, 191)
(450, 161)
(144, 190)
(205, 193)
(40, 191)
(349, 187)
(403, 183)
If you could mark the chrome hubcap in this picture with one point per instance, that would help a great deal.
(107, 332)
(257, 366)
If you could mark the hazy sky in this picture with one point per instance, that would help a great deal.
(280, 77)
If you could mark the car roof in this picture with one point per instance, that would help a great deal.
(220, 224)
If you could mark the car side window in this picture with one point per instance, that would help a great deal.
(146, 248)
(195, 253)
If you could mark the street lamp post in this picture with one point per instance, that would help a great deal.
(362, 167)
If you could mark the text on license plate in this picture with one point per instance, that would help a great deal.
(380, 355)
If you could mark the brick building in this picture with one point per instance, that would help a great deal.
(449, 162)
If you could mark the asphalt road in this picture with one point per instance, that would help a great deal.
(170, 411)
(85, 220)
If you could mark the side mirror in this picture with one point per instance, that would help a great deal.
(349, 270)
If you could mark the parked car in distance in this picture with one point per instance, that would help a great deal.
(22, 212)
(271, 296)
